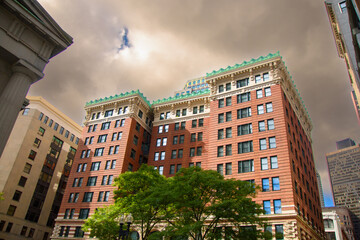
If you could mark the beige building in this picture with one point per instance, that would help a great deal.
(35, 166)
(29, 38)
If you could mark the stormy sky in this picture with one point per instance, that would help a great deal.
(157, 45)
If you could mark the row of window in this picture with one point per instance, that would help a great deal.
(103, 196)
(276, 206)
(247, 146)
(24, 230)
(53, 124)
(243, 82)
(182, 112)
(109, 113)
(244, 97)
(245, 129)
(65, 230)
(106, 125)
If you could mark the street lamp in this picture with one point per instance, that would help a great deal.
(124, 233)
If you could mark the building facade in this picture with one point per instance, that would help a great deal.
(344, 18)
(321, 192)
(248, 124)
(344, 171)
(35, 166)
(29, 39)
(337, 223)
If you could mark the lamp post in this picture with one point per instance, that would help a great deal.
(124, 233)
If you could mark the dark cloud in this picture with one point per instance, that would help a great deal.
(174, 41)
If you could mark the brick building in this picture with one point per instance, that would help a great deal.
(248, 123)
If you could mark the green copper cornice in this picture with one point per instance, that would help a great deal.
(245, 63)
(164, 100)
(118, 96)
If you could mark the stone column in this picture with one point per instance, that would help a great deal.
(11, 100)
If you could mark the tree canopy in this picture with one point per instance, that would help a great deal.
(195, 203)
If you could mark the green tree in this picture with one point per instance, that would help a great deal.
(202, 200)
(133, 195)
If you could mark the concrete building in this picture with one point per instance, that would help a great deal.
(344, 19)
(321, 192)
(35, 166)
(344, 171)
(29, 38)
(337, 223)
(249, 124)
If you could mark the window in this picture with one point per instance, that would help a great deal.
(262, 144)
(114, 136)
(32, 155)
(94, 128)
(272, 142)
(269, 107)
(266, 77)
(102, 138)
(228, 116)
(46, 119)
(161, 170)
(220, 151)
(104, 180)
(140, 114)
(192, 152)
(84, 167)
(242, 83)
(110, 179)
(56, 126)
(200, 136)
(342, 6)
(75, 183)
(228, 86)
(275, 184)
(177, 126)
(184, 112)
(67, 134)
(265, 185)
(220, 169)
(201, 122)
(244, 97)
(198, 151)
(162, 156)
(117, 123)
(178, 167)
(37, 142)
(228, 150)
(270, 123)
(180, 153)
(221, 118)
(221, 88)
(201, 109)
(175, 140)
(277, 206)
(279, 232)
(62, 129)
(193, 123)
(274, 162)
(91, 181)
(173, 154)
(98, 152)
(95, 166)
(244, 112)
(111, 150)
(135, 140)
(264, 163)
(106, 197)
(221, 103)
(246, 166)
(160, 129)
(245, 129)
(27, 168)
(17, 195)
(228, 169)
(267, 207)
(133, 154)
(166, 127)
(182, 138)
(156, 156)
(137, 127)
(113, 164)
(41, 131)
(262, 126)
(245, 147)
(172, 169)
(84, 213)
(193, 137)
(228, 132)
(267, 91)
(228, 101)
(260, 109)
(122, 122)
(91, 140)
(162, 116)
(182, 125)
(88, 196)
(221, 134)
(22, 181)
(259, 93)
(257, 78)
(78, 232)
(195, 110)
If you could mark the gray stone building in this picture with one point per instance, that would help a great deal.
(29, 38)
